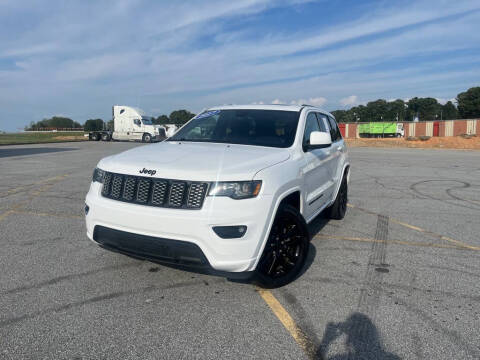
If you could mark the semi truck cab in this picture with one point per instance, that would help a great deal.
(131, 124)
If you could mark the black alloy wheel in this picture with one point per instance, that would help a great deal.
(286, 249)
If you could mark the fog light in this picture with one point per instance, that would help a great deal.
(230, 232)
(87, 208)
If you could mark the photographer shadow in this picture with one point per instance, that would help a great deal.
(362, 340)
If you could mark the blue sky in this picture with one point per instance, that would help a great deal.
(78, 58)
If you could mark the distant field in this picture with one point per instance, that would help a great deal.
(40, 137)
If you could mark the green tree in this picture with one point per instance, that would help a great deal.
(425, 108)
(62, 122)
(396, 111)
(93, 125)
(109, 125)
(340, 115)
(377, 110)
(55, 122)
(449, 111)
(469, 103)
(180, 117)
(161, 120)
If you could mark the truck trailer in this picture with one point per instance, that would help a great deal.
(130, 124)
(381, 129)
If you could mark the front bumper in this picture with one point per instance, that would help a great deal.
(167, 251)
(187, 227)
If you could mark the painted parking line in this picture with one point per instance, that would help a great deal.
(10, 211)
(5, 214)
(458, 243)
(287, 321)
(46, 184)
(26, 187)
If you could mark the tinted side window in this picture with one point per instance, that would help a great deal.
(322, 120)
(339, 134)
(311, 124)
(334, 130)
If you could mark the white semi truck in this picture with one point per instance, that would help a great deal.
(130, 123)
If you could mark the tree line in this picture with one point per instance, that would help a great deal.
(468, 107)
(177, 117)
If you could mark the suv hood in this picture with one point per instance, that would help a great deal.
(195, 161)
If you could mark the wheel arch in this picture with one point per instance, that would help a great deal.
(293, 199)
(345, 170)
(282, 198)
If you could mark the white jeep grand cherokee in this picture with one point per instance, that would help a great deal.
(231, 192)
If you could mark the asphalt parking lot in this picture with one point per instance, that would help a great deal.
(398, 278)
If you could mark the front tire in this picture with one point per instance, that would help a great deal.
(286, 250)
(147, 138)
(338, 209)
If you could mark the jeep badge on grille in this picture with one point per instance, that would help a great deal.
(149, 172)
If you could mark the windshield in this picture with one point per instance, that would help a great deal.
(147, 121)
(272, 128)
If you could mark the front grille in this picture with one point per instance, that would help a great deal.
(154, 192)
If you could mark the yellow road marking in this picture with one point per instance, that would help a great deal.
(47, 183)
(279, 311)
(5, 214)
(10, 211)
(20, 188)
(399, 242)
(419, 229)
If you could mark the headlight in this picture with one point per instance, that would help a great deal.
(98, 175)
(236, 189)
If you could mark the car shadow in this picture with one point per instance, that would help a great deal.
(362, 340)
(317, 224)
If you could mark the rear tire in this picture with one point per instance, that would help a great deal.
(96, 137)
(338, 209)
(286, 250)
(105, 137)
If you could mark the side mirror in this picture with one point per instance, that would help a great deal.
(319, 139)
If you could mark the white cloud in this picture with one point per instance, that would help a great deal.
(83, 69)
(278, 101)
(443, 101)
(349, 100)
(317, 101)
